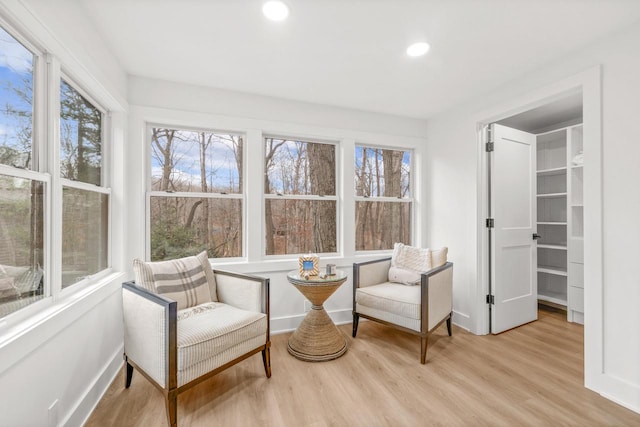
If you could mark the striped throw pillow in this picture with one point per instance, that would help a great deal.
(184, 280)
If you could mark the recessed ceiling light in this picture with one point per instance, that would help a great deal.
(418, 49)
(275, 10)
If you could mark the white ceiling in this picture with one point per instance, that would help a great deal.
(351, 53)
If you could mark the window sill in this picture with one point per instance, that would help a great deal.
(288, 264)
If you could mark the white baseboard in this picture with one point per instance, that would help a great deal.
(621, 392)
(461, 320)
(90, 399)
(284, 324)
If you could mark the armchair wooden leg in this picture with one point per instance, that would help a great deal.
(356, 318)
(423, 349)
(449, 325)
(129, 375)
(171, 400)
(266, 360)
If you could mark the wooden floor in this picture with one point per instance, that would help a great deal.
(531, 375)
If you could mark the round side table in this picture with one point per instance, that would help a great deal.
(317, 338)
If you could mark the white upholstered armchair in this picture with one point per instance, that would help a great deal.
(410, 300)
(184, 323)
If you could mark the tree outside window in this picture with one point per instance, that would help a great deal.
(383, 198)
(196, 193)
(300, 197)
(16, 102)
(22, 187)
(78, 197)
(85, 208)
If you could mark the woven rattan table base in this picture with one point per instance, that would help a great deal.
(317, 338)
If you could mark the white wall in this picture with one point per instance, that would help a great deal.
(452, 170)
(69, 350)
(173, 104)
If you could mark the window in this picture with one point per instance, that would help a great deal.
(40, 209)
(383, 198)
(22, 186)
(196, 195)
(16, 109)
(300, 197)
(85, 201)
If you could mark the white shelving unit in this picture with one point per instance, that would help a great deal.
(575, 227)
(560, 221)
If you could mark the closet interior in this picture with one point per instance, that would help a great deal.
(560, 209)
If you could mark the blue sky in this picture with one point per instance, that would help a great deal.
(16, 64)
(221, 170)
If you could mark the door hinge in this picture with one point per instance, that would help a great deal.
(490, 223)
(491, 299)
(489, 146)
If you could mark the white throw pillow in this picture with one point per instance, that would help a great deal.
(439, 257)
(404, 276)
(411, 257)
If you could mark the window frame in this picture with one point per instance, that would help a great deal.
(384, 199)
(40, 140)
(45, 167)
(336, 197)
(103, 188)
(242, 195)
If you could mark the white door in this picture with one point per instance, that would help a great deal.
(513, 208)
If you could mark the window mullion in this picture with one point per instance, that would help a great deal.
(348, 192)
(84, 186)
(53, 224)
(195, 195)
(383, 199)
(299, 197)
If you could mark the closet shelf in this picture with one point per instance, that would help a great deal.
(550, 195)
(551, 171)
(558, 271)
(552, 223)
(558, 247)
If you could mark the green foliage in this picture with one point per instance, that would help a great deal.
(80, 136)
(170, 240)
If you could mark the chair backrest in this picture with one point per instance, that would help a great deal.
(375, 272)
(241, 291)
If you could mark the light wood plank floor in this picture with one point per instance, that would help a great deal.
(531, 375)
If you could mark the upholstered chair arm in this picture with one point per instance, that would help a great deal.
(437, 294)
(150, 332)
(371, 273)
(243, 291)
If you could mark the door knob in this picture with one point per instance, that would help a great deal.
(536, 236)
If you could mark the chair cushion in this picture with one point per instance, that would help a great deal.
(184, 280)
(391, 297)
(209, 329)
